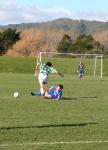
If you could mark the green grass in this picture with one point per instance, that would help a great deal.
(64, 65)
(81, 115)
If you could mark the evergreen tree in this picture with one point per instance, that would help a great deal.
(86, 44)
(7, 39)
(1, 43)
(64, 44)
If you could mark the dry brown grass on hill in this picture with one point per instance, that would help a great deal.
(35, 40)
(102, 37)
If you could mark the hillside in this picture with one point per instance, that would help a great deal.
(65, 24)
(46, 36)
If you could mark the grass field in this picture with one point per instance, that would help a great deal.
(79, 121)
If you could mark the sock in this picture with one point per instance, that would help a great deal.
(42, 91)
(37, 93)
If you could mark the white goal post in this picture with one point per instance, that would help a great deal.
(101, 67)
(93, 57)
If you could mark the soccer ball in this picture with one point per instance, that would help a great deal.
(16, 94)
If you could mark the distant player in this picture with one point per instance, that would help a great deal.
(44, 70)
(55, 92)
(80, 70)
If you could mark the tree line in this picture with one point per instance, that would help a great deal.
(30, 42)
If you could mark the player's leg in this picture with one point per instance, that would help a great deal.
(41, 93)
(41, 88)
(81, 74)
(36, 93)
(41, 79)
(45, 87)
(43, 83)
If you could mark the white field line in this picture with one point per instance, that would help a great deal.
(53, 143)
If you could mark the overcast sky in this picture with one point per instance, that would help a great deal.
(26, 11)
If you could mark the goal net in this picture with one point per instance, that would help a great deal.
(67, 63)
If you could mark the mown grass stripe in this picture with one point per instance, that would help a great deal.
(54, 143)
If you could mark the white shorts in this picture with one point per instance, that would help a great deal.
(42, 78)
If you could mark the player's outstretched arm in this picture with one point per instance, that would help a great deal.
(60, 74)
(51, 88)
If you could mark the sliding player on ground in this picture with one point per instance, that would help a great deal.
(55, 92)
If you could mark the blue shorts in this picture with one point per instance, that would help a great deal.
(81, 72)
(52, 94)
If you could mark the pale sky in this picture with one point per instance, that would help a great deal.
(29, 11)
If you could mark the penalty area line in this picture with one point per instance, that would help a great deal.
(53, 143)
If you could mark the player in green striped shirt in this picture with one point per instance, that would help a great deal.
(44, 70)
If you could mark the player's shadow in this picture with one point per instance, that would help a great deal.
(88, 97)
(48, 126)
(78, 98)
(69, 98)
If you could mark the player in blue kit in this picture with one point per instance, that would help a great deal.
(55, 92)
(80, 70)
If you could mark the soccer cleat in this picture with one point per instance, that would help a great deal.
(32, 93)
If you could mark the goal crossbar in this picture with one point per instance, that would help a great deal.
(73, 54)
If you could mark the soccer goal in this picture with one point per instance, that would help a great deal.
(68, 62)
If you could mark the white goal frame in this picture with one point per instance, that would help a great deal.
(96, 56)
